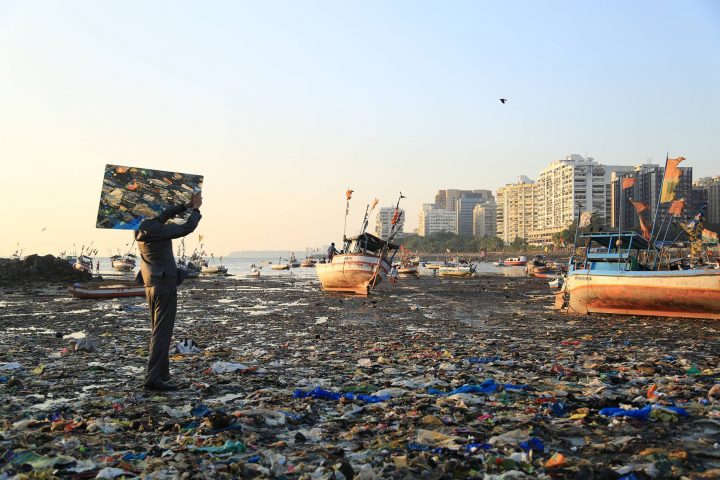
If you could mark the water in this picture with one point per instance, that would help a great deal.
(240, 267)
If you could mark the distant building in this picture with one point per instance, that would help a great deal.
(383, 223)
(516, 210)
(647, 187)
(435, 220)
(464, 208)
(485, 220)
(567, 187)
(447, 199)
(707, 189)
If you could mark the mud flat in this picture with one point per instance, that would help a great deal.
(433, 378)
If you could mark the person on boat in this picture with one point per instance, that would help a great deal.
(161, 277)
(332, 251)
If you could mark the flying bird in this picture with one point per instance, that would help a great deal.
(503, 100)
(44, 228)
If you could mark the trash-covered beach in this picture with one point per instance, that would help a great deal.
(471, 378)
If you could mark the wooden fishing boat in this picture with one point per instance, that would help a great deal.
(214, 270)
(124, 263)
(459, 271)
(408, 270)
(83, 263)
(361, 269)
(620, 273)
(307, 262)
(106, 289)
(434, 265)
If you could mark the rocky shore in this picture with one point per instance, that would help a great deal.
(434, 378)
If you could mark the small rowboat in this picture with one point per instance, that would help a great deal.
(515, 261)
(214, 270)
(281, 266)
(108, 289)
(459, 271)
(408, 271)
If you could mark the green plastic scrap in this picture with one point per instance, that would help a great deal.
(228, 447)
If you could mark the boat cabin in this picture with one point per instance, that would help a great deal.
(367, 243)
(626, 251)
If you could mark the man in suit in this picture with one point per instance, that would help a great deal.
(161, 277)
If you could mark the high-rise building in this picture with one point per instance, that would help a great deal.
(435, 220)
(516, 210)
(707, 189)
(464, 208)
(647, 187)
(485, 220)
(566, 188)
(447, 199)
(383, 223)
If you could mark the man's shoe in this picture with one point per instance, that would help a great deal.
(160, 386)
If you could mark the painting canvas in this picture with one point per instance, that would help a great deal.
(131, 194)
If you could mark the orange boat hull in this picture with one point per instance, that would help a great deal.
(687, 294)
(351, 273)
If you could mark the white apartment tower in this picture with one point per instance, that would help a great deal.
(383, 223)
(435, 220)
(567, 187)
(517, 209)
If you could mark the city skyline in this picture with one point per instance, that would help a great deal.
(281, 116)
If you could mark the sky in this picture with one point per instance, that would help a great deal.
(283, 105)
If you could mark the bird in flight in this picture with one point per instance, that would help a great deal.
(503, 100)
(44, 228)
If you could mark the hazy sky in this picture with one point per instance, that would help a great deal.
(282, 105)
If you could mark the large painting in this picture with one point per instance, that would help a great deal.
(131, 194)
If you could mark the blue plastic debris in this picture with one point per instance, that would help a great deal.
(533, 444)
(640, 413)
(488, 386)
(323, 394)
(559, 409)
(134, 456)
(515, 388)
(200, 410)
(476, 447)
(483, 359)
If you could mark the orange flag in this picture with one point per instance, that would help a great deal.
(396, 216)
(628, 182)
(676, 207)
(348, 194)
(640, 207)
(671, 180)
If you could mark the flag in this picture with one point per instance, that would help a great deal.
(640, 207)
(644, 229)
(708, 236)
(676, 207)
(200, 237)
(396, 217)
(348, 194)
(374, 204)
(671, 179)
(585, 218)
(628, 182)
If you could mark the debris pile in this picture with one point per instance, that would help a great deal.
(430, 379)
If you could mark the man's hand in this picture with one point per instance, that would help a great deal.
(196, 200)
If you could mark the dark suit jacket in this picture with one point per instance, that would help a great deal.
(154, 239)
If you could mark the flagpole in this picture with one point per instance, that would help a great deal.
(657, 205)
(620, 219)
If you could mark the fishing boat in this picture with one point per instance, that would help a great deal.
(408, 266)
(292, 261)
(434, 265)
(621, 273)
(254, 272)
(83, 263)
(207, 269)
(307, 262)
(124, 263)
(107, 289)
(459, 271)
(361, 269)
(280, 265)
(520, 261)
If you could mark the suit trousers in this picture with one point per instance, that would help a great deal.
(162, 301)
